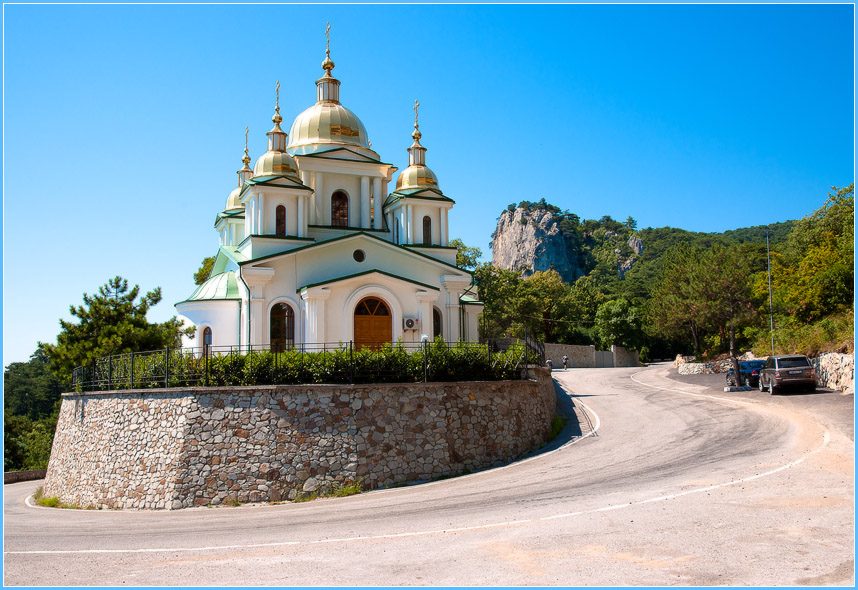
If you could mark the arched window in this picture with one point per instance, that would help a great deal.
(436, 322)
(280, 228)
(282, 327)
(207, 341)
(340, 209)
(396, 231)
(427, 231)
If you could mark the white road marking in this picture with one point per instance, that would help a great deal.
(825, 440)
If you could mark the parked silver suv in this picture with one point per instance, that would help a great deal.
(787, 371)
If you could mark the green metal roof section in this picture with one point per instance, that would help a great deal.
(269, 181)
(218, 288)
(231, 214)
(366, 272)
(470, 300)
(417, 193)
(312, 151)
(360, 233)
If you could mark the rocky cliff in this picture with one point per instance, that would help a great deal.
(533, 240)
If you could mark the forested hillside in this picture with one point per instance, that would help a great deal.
(667, 290)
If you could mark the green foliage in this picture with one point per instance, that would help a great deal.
(813, 275)
(30, 389)
(558, 423)
(466, 257)
(205, 270)
(110, 322)
(27, 443)
(390, 363)
(618, 323)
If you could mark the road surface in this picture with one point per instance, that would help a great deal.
(663, 483)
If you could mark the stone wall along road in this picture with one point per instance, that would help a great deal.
(178, 448)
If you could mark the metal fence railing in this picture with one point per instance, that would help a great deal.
(341, 362)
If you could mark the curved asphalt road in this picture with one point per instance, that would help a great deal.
(682, 485)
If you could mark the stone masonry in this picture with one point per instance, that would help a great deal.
(178, 448)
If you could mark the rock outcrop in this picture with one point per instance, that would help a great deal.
(533, 240)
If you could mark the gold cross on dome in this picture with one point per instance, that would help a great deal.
(277, 90)
(246, 129)
(328, 37)
(416, 106)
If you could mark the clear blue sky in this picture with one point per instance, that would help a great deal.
(124, 125)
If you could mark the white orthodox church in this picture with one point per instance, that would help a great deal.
(313, 248)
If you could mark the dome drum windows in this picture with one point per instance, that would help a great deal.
(280, 221)
(427, 230)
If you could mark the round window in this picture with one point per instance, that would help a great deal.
(359, 255)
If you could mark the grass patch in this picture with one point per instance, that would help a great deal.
(232, 501)
(558, 423)
(53, 501)
(350, 488)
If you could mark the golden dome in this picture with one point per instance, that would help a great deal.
(417, 176)
(274, 163)
(233, 201)
(327, 123)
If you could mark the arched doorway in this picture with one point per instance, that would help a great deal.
(282, 328)
(373, 323)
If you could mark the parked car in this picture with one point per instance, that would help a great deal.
(749, 371)
(787, 371)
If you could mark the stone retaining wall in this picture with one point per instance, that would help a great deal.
(169, 449)
(833, 370)
(836, 371)
(580, 357)
(14, 476)
(624, 357)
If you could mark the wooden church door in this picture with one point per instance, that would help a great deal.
(373, 323)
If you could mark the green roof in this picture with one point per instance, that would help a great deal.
(416, 193)
(367, 272)
(219, 287)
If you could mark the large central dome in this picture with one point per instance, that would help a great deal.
(327, 123)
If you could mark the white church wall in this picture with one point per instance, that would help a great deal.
(219, 315)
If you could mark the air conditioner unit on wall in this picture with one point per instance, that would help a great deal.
(410, 323)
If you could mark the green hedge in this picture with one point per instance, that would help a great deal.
(392, 363)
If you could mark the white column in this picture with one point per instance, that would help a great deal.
(472, 323)
(378, 202)
(314, 302)
(301, 215)
(364, 202)
(409, 220)
(307, 180)
(390, 225)
(424, 302)
(444, 241)
(323, 210)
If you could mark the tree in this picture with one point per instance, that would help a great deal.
(111, 322)
(676, 304)
(618, 323)
(30, 389)
(466, 257)
(813, 275)
(202, 274)
(724, 284)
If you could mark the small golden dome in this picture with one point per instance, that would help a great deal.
(274, 163)
(233, 201)
(417, 176)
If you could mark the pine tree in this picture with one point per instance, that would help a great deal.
(111, 322)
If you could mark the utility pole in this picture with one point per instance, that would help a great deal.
(771, 315)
